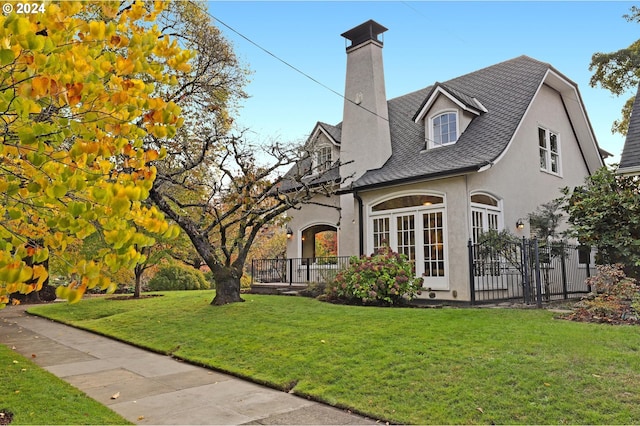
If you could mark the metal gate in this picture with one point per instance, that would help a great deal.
(527, 270)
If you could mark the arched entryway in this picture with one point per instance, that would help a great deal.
(319, 241)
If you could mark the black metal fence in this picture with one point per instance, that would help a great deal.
(528, 270)
(297, 270)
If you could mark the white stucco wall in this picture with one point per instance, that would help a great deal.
(454, 191)
(310, 215)
(365, 141)
(517, 179)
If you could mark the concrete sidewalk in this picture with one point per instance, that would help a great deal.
(153, 388)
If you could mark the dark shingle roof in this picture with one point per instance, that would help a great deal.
(334, 131)
(631, 152)
(505, 90)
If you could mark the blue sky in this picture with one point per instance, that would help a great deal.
(427, 41)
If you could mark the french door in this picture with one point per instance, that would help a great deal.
(419, 235)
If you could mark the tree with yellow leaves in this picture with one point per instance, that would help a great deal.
(77, 99)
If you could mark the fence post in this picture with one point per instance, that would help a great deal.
(589, 270)
(308, 271)
(252, 270)
(563, 262)
(537, 265)
(525, 271)
(472, 286)
(290, 271)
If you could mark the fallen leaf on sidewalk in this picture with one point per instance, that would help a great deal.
(140, 417)
(115, 395)
(33, 355)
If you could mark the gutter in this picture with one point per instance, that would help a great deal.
(360, 223)
(437, 175)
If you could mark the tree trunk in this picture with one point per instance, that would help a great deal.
(227, 286)
(138, 287)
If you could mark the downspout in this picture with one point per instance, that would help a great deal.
(360, 223)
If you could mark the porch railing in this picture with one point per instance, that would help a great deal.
(297, 270)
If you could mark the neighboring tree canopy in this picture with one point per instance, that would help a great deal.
(604, 214)
(619, 72)
(78, 96)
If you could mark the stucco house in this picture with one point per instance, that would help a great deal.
(630, 158)
(430, 170)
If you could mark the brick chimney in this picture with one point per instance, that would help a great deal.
(366, 139)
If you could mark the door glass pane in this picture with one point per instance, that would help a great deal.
(380, 232)
(406, 231)
(492, 219)
(476, 225)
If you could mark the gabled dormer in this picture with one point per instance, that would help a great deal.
(324, 145)
(445, 114)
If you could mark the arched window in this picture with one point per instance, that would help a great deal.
(407, 201)
(486, 214)
(444, 129)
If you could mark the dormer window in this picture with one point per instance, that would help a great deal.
(322, 159)
(443, 129)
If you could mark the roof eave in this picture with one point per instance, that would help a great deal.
(412, 179)
(440, 89)
(319, 128)
(630, 171)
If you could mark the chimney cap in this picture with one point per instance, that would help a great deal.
(364, 32)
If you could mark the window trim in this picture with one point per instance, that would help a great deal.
(548, 153)
(431, 141)
(316, 167)
(485, 209)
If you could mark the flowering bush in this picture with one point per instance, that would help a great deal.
(384, 277)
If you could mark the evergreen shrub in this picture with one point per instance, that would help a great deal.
(178, 277)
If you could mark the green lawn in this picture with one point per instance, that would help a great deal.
(448, 365)
(37, 397)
